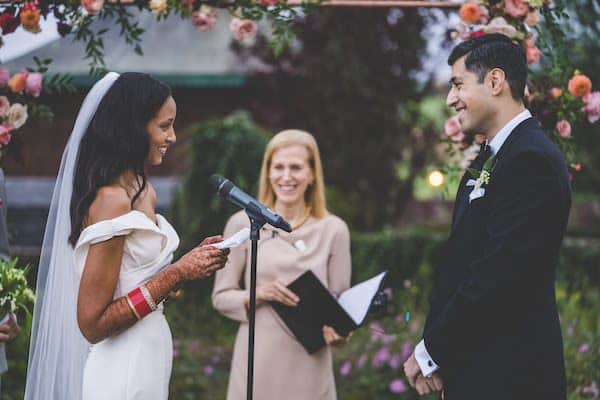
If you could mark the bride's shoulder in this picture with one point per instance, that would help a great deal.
(110, 202)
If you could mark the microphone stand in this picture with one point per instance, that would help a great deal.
(256, 222)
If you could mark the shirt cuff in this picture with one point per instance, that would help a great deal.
(426, 363)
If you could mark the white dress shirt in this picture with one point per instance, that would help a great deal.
(426, 363)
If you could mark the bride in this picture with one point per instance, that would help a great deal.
(106, 263)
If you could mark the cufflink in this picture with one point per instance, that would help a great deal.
(429, 363)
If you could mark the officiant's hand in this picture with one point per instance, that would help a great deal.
(276, 291)
(332, 338)
(9, 329)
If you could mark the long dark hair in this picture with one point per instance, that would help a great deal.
(115, 142)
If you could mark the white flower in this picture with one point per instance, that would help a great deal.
(158, 7)
(17, 115)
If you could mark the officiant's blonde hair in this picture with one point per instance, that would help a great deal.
(314, 197)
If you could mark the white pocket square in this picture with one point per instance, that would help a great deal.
(471, 182)
(476, 193)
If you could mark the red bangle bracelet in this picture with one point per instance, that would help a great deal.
(137, 300)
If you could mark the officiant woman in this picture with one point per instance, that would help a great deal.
(291, 183)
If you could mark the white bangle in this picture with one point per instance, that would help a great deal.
(148, 297)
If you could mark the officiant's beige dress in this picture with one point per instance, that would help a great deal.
(283, 370)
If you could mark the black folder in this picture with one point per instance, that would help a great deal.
(318, 307)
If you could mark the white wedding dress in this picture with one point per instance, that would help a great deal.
(135, 364)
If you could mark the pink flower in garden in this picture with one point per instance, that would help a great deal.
(346, 368)
(592, 391)
(4, 106)
(33, 84)
(215, 359)
(515, 8)
(92, 6)
(395, 362)
(209, 370)
(564, 128)
(592, 106)
(499, 25)
(362, 360)
(533, 54)
(407, 349)
(193, 346)
(243, 29)
(205, 18)
(4, 135)
(4, 76)
(397, 386)
(584, 348)
(453, 130)
(532, 18)
(381, 357)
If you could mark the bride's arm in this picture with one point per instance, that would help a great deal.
(98, 315)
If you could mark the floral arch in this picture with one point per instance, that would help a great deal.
(557, 91)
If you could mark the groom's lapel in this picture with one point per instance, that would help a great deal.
(462, 197)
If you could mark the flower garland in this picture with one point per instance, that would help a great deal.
(557, 102)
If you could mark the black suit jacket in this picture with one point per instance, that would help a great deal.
(493, 326)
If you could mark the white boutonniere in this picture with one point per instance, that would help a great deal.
(480, 179)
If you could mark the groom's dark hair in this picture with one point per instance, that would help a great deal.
(494, 50)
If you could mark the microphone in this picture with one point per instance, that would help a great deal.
(226, 189)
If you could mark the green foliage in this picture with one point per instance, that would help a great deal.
(349, 87)
(232, 147)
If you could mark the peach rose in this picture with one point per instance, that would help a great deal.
(469, 12)
(159, 7)
(515, 8)
(532, 18)
(92, 6)
(243, 29)
(30, 18)
(533, 54)
(580, 85)
(555, 92)
(17, 82)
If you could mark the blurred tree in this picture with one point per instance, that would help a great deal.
(349, 79)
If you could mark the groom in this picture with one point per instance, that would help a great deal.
(492, 331)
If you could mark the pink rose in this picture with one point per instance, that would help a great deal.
(484, 15)
(92, 6)
(515, 8)
(533, 54)
(33, 84)
(532, 18)
(268, 2)
(4, 76)
(4, 106)
(204, 19)
(592, 106)
(564, 128)
(243, 29)
(4, 135)
(453, 130)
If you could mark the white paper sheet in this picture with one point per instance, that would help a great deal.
(235, 240)
(356, 300)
